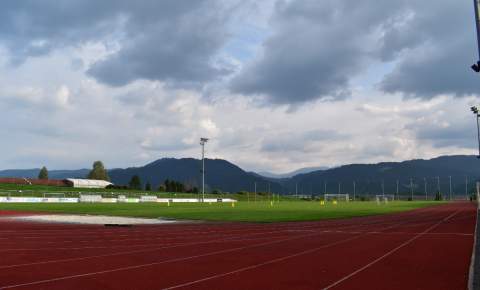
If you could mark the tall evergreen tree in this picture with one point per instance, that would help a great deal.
(148, 186)
(98, 172)
(135, 183)
(43, 174)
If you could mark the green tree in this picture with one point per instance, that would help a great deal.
(98, 172)
(135, 182)
(43, 174)
(148, 186)
(162, 188)
(167, 185)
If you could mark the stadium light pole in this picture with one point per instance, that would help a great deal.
(475, 112)
(398, 198)
(476, 66)
(425, 184)
(202, 142)
(466, 187)
(353, 190)
(411, 188)
(450, 185)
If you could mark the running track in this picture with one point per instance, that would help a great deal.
(428, 248)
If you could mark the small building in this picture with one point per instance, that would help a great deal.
(87, 183)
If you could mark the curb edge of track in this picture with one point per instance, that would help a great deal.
(473, 273)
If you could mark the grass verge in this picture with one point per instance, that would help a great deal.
(242, 211)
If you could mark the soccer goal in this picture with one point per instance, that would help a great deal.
(336, 197)
(384, 198)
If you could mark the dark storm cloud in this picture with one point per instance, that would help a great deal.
(169, 40)
(439, 46)
(317, 47)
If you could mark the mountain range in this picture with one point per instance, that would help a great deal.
(411, 175)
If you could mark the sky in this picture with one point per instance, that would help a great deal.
(276, 85)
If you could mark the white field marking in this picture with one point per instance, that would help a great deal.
(204, 232)
(155, 237)
(234, 239)
(172, 260)
(361, 234)
(162, 237)
(143, 239)
(262, 264)
(400, 233)
(390, 252)
(154, 263)
(284, 226)
(327, 223)
(124, 246)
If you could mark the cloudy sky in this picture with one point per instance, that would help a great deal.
(276, 85)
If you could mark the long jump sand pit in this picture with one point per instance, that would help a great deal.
(90, 219)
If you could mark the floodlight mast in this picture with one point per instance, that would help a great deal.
(476, 113)
(202, 143)
(476, 66)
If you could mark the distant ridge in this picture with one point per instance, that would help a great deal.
(291, 174)
(228, 177)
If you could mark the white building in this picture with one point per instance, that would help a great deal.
(87, 183)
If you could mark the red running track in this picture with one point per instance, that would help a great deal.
(428, 248)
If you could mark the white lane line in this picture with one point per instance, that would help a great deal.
(155, 263)
(262, 264)
(361, 234)
(232, 239)
(390, 252)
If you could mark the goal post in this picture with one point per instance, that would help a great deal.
(384, 198)
(336, 197)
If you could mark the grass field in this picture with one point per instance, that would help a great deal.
(243, 211)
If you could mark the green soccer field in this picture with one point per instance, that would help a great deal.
(242, 211)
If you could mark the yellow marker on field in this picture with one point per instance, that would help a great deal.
(335, 202)
(322, 202)
(271, 203)
(168, 203)
(233, 204)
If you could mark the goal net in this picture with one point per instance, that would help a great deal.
(384, 198)
(336, 197)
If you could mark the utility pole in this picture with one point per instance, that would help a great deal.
(325, 191)
(383, 188)
(466, 186)
(438, 185)
(411, 188)
(398, 198)
(296, 190)
(425, 184)
(202, 142)
(339, 185)
(353, 190)
(255, 195)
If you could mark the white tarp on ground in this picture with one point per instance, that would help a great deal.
(92, 220)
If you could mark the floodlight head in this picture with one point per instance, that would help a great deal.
(476, 67)
(203, 141)
(474, 110)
